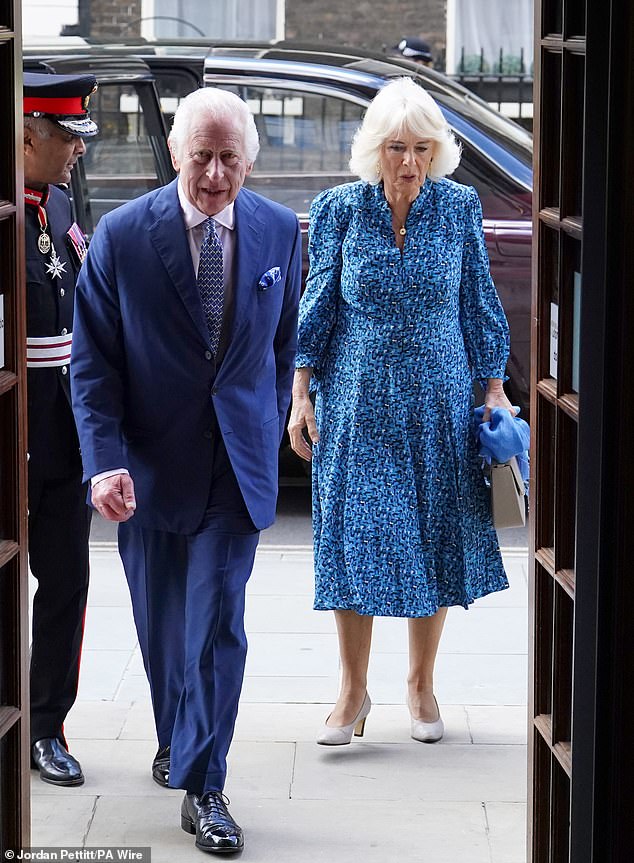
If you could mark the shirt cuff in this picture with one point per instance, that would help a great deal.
(99, 476)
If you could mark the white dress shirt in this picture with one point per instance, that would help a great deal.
(225, 228)
(194, 225)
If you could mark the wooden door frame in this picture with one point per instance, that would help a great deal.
(15, 781)
(603, 701)
(600, 828)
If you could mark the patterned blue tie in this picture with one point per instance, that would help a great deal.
(210, 284)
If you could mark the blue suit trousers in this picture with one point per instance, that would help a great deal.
(188, 594)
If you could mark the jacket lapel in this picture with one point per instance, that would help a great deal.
(248, 252)
(169, 238)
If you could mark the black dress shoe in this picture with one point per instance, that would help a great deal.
(161, 766)
(208, 817)
(55, 763)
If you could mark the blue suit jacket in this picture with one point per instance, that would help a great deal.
(143, 380)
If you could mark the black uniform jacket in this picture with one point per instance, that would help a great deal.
(50, 286)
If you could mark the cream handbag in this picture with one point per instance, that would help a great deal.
(507, 494)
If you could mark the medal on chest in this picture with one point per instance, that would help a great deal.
(77, 241)
(44, 243)
(37, 199)
(55, 267)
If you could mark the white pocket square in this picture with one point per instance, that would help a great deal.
(268, 279)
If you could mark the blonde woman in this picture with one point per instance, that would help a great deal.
(398, 318)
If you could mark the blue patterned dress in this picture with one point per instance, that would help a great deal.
(400, 511)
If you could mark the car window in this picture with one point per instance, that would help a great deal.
(501, 196)
(173, 85)
(304, 142)
(305, 147)
(508, 135)
(120, 162)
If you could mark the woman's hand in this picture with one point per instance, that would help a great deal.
(495, 397)
(302, 416)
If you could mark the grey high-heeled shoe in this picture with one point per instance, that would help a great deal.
(427, 732)
(342, 734)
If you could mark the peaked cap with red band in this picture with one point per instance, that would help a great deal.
(62, 99)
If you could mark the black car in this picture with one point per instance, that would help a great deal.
(307, 102)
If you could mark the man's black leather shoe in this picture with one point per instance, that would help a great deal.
(161, 766)
(207, 816)
(55, 763)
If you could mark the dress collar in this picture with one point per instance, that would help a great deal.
(417, 203)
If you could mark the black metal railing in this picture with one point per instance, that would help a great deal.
(506, 83)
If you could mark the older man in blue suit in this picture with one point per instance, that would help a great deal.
(183, 351)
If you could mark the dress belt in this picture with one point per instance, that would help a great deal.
(46, 351)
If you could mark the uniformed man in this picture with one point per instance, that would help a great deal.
(56, 121)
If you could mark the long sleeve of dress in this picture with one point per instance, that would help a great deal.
(318, 306)
(483, 322)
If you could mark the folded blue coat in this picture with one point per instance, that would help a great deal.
(503, 437)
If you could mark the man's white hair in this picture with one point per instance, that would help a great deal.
(39, 126)
(216, 104)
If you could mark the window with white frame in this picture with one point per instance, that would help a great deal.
(220, 19)
(490, 36)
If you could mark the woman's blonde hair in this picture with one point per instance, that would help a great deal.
(402, 106)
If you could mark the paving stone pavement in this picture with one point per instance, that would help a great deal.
(383, 798)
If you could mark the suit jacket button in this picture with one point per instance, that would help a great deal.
(64, 370)
(214, 391)
(208, 355)
(62, 292)
(208, 435)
